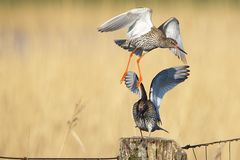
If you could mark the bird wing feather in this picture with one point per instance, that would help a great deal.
(165, 81)
(137, 20)
(131, 80)
(172, 30)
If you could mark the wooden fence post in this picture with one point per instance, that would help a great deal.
(153, 148)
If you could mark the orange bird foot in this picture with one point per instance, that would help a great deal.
(139, 82)
(123, 77)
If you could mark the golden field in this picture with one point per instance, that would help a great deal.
(52, 57)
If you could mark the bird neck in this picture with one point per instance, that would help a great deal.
(163, 43)
(143, 92)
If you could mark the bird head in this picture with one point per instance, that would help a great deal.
(172, 43)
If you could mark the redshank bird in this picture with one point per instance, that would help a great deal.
(146, 111)
(143, 37)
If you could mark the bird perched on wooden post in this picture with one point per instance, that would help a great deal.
(146, 111)
(142, 36)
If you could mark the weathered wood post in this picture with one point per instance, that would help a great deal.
(153, 148)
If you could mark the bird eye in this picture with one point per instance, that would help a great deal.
(173, 42)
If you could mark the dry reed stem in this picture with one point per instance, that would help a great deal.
(71, 124)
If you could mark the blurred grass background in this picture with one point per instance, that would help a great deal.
(52, 57)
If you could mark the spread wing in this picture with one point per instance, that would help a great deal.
(137, 20)
(166, 80)
(172, 30)
(131, 80)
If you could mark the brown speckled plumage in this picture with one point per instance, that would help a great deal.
(142, 36)
(145, 111)
(144, 114)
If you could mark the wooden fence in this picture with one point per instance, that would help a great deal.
(147, 148)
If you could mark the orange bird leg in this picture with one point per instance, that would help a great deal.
(139, 70)
(129, 59)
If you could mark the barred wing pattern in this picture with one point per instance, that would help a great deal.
(172, 30)
(137, 20)
(166, 80)
(131, 80)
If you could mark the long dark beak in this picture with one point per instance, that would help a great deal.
(180, 49)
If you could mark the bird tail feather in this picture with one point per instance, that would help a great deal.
(122, 43)
(126, 45)
(159, 128)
